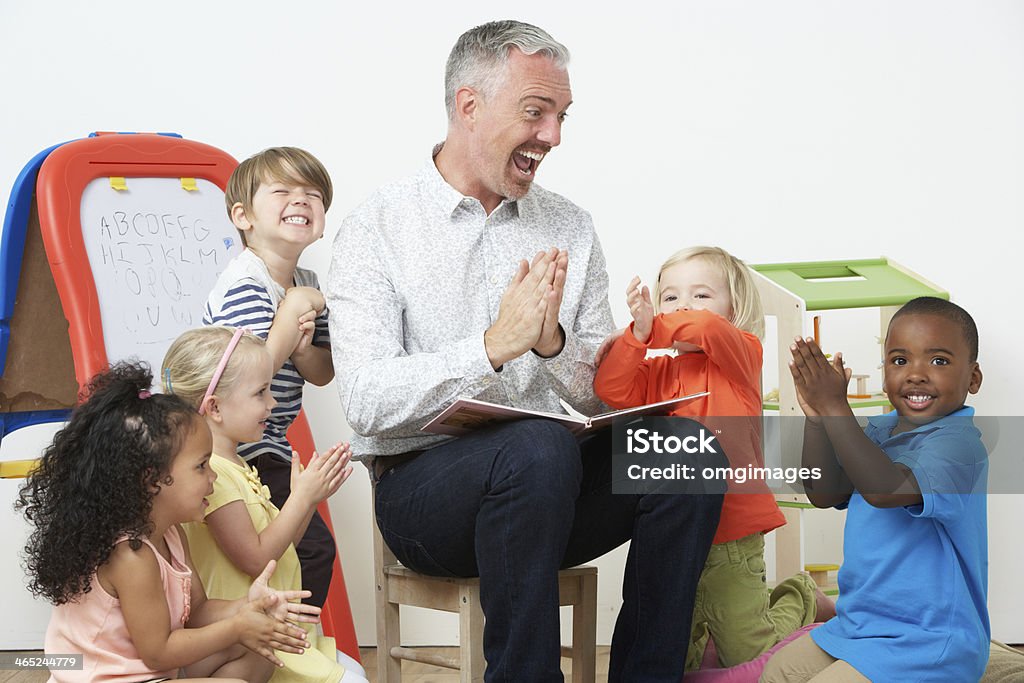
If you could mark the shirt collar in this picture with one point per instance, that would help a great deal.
(447, 198)
(883, 425)
(261, 266)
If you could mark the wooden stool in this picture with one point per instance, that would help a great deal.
(399, 585)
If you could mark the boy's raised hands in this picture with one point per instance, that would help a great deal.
(302, 300)
(294, 325)
(307, 327)
(820, 384)
(291, 335)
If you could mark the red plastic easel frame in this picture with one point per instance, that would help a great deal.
(62, 180)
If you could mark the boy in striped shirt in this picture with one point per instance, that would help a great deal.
(278, 200)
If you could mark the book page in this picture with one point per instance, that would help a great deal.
(467, 415)
(660, 408)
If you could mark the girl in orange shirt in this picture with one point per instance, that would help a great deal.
(707, 309)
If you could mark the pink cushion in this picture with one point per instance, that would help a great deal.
(747, 672)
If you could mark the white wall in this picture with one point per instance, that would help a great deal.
(782, 131)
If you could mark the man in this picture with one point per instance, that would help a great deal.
(430, 299)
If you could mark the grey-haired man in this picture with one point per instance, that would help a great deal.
(455, 282)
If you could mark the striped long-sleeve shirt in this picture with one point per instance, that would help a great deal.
(247, 296)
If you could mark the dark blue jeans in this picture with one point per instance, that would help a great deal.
(514, 504)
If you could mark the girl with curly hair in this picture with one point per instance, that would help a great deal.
(105, 503)
(224, 374)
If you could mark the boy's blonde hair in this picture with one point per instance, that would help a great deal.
(276, 164)
(192, 359)
(747, 311)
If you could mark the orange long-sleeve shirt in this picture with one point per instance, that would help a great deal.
(729, 368)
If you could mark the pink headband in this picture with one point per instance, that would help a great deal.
(221, 366)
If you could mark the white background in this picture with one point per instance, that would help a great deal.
(783, 131)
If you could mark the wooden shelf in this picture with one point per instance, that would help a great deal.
(854, 403)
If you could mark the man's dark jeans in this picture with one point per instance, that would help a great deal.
(514, 504)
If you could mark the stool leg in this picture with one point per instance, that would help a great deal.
(389, 669)
(471, 635)
(584, 632)
(389, 628)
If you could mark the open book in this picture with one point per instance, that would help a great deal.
(468, 414)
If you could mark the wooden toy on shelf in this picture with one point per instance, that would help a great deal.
(820, 575)
(862, 387)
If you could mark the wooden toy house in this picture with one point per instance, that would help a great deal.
(793, 293)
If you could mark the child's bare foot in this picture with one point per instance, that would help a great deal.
(825, 608)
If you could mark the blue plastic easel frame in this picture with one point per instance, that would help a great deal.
(12, 251)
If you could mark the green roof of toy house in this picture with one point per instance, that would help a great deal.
(827, 285)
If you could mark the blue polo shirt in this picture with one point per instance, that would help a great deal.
(914, 581)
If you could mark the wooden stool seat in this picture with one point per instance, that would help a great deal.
(398, 585)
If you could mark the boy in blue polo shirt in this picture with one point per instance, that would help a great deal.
(913, 586)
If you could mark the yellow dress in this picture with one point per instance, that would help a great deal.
(223, 580)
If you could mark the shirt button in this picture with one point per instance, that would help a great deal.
(494, 279)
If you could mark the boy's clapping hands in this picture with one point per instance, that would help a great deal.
(820, 384)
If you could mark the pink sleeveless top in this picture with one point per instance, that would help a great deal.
(94, 626)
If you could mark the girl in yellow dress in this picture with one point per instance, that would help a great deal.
(226, 375)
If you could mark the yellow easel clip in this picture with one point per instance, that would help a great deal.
(189, 185)
(118, 183)
(17, 469)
